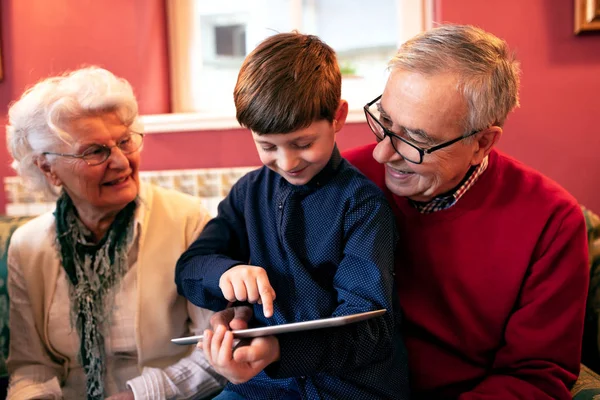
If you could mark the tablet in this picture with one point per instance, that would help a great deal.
(291, 327)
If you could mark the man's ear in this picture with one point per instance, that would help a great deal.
(340, 115)
(42, 163)
(485, 142)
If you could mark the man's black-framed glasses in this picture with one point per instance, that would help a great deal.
(407, 150)
(96, 154)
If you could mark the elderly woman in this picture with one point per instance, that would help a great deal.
(93, 303)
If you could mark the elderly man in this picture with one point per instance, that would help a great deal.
(492, 260)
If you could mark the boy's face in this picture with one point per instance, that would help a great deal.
(298, 156)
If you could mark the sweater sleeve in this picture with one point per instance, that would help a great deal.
(363, 282)
(222, 244)
(191, 377)
(541, 353)
(33, 374)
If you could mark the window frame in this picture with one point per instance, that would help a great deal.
(184, 34)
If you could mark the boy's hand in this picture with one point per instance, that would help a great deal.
(248, 283)
(245, 362)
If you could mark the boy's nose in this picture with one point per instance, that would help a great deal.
(288, 163)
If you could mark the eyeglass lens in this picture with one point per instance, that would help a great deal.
(407, 151)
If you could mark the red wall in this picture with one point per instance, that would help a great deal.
(556, 130)
(228, 148)
(45, 37)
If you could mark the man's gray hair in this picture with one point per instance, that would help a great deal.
(37, 121)
(487, 70)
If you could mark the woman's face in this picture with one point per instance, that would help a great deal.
(103, 188)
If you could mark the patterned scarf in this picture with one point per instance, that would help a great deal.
(95, 271)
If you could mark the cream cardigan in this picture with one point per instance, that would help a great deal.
(171, 221)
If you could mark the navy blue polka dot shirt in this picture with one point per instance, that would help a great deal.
(328, 249)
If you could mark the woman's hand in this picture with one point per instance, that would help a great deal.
(233, 318)
(241, 364)
(248, 283)
(126, 395)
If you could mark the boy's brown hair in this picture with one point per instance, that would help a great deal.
(289, 81)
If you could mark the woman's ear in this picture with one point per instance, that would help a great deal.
(340, 115)
(44, 165)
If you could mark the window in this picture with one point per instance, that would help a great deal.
(209, 40)
(230, 40)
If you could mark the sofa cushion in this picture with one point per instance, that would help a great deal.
(590, 355)
(587, 387)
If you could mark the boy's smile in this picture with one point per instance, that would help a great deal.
(298, 156)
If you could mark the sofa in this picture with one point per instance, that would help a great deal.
(586, 387)
(588, 384)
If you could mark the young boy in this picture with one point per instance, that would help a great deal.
(304, 237)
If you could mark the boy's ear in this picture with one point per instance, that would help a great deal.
(340, 115)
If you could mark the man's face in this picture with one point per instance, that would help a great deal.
(433, 107)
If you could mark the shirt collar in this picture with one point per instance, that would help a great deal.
(450, 198)
(325, 174)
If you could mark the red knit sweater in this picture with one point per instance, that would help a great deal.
(493, 289)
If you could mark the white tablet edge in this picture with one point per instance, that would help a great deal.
(291, 327)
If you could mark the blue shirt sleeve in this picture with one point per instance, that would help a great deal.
(222, 244)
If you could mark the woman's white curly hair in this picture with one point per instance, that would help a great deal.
(36, 121)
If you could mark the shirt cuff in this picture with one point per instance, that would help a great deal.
(151, 385)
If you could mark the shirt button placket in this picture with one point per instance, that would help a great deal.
(280, 202)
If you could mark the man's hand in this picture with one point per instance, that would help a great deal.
(248, 283)
(245, 362)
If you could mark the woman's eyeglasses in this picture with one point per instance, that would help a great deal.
(96, 154)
